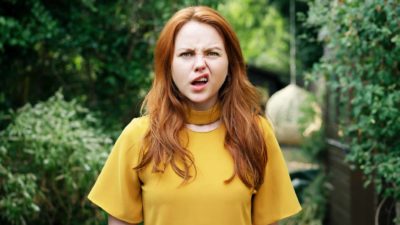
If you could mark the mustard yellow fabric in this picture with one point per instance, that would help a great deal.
(161, 199)
(204, 117)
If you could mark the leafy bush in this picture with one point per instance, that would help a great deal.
(50, 155)
(313, 199)
(310, 184)
(362, 67)
(100, 49)
(312, 128)
(259, 20)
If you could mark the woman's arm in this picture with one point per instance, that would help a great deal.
(114, 221)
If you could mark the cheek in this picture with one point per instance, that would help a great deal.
(178, 73)
(224, 72)
(175, 70)
(177, 81)
(220, 70)
(180, 67)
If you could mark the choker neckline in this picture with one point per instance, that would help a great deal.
(203, 117)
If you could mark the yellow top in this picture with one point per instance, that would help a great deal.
(161, 199)
(204, 117)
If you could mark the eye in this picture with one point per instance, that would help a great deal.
(186, 54)
(213, 53)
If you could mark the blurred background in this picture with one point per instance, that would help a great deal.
(74, 73)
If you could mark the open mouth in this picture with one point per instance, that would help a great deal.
(200, 81)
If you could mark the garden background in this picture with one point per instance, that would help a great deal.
(74, 73)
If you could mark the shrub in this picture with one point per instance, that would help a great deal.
(100, 49)
(314, 200)
(50, 155)
(362, 67)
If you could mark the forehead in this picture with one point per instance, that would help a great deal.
(195, 34)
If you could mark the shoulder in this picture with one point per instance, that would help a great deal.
(266, 124)
(138, 124)
(131, 139)
(136, 129)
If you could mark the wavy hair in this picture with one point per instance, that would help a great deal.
(238, 99)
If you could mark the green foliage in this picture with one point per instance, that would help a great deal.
(99, 49)
(311, 185)
(362, 67)
(314, 200)
(313, 144)
(308, 48)
(50, 155)
(262, 32)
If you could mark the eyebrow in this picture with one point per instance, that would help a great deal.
(207, 49)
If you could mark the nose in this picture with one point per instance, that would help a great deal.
(200, 64)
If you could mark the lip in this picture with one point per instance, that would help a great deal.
(201, 87)
(199, 77)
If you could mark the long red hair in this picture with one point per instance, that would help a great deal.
(238, 99)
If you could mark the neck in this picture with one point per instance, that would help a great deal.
(203, 117)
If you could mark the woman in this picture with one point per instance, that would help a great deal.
(202, 154)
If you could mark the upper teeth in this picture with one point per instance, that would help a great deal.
(203, 79)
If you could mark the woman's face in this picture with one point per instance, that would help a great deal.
(199, 64)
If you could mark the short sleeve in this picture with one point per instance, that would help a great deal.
(117, 189)
(276, 198)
